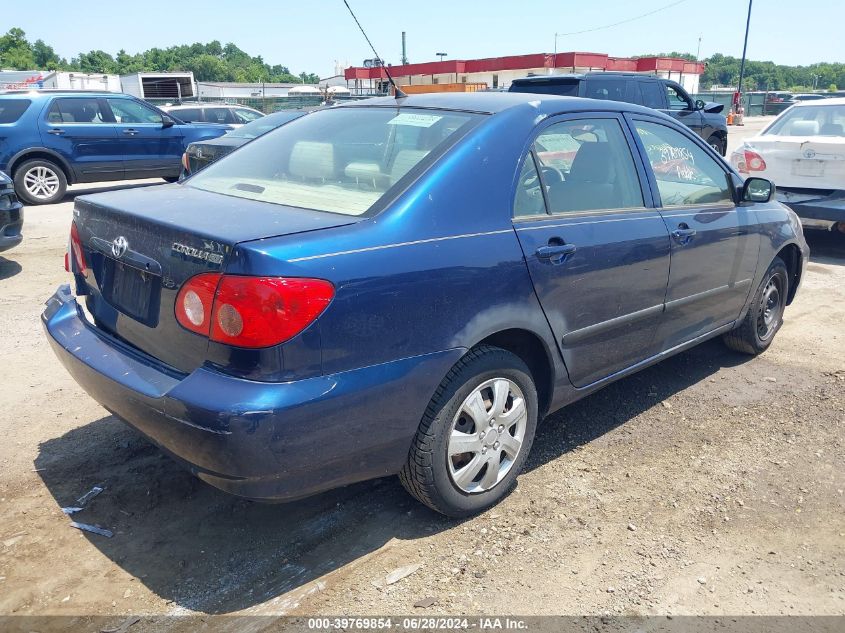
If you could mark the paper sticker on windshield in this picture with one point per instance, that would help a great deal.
(414, 119)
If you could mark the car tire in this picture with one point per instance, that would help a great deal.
(170, 179)
(471, 410)
(717, 144)
(40, 181)
(765, 315)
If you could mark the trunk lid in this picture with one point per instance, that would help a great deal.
(802, 162)
(142, 244)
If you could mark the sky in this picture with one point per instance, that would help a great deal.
(313, 35)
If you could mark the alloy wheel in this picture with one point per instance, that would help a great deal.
(487, 435)
(41, 182)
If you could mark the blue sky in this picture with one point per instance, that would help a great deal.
(311, 35)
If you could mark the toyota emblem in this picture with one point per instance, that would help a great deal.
(119, 247)
(809, 153)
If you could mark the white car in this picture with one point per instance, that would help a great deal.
(234, 115)
(803, 152)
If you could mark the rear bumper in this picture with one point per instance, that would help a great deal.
(278, 441)
(810, 207)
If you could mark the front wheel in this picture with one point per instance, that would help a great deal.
(475, 435)
(40, 182)
(717, 144)
(765, 315)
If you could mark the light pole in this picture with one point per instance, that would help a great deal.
(742, 63)
(441, 55)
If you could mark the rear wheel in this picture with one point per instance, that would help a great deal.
(40, 181)
(765, 316)
(717, 144)
(475, 435)
(171, 178)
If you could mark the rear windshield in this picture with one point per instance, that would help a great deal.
(547, 87)
(12, 109)
(342, 160)
(811, 120)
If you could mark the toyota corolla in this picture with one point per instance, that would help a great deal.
(408, 286)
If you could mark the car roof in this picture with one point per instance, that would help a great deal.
(46, 93)
(570, 76)
(817, 102)
(494, 102)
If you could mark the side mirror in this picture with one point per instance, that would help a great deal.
(758, 190)
(167, 120)
(712, 108)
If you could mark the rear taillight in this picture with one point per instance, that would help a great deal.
(75, 250)
(186, 163)
(251, 311)
(747, 160)
(195, 302)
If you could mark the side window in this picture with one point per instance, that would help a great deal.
(611, 89)
(677, 99)
(189, 115)
(245, 116)
(587, 165)
(220, 115)
(129, 111)
(529, 193)
(76, 110)
(685, 173)
(651, 94)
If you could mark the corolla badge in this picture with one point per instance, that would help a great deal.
(119, 247)
(809, 153)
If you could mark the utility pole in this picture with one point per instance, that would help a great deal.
(744, 49)
(404, 51)
(698, 52)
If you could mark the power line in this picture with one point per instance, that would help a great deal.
(638, 17)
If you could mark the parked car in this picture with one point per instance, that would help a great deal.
(647, 90)
(803, 152)
(55, 138)
(11, 215)
(285, 325)
(233, 115)
(810, 96)
(202, 153)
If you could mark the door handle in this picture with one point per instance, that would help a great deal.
(555, 253)
(57, 131)
(683, 234)
(130, 131)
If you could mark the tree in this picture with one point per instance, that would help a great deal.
(832, 88)
(15, 51)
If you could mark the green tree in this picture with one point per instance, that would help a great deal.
(15, 51)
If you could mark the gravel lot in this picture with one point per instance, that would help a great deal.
(711, 483)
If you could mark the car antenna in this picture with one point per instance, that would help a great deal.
(397, 92)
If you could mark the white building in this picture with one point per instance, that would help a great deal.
(58, 80)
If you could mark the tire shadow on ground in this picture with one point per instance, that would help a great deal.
(207, 551)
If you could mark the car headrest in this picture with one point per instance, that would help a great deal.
(593, 162)
(832, 129)
(404, 161)
(310, 159)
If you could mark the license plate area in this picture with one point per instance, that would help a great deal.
(808, 167)
(132, 291)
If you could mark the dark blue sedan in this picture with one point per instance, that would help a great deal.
(408, 286)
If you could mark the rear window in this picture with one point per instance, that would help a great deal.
(547, 87)
(811, 120)
(12, 109)
(188, 115)
(341, 160)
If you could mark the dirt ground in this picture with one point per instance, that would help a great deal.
(711, 483)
